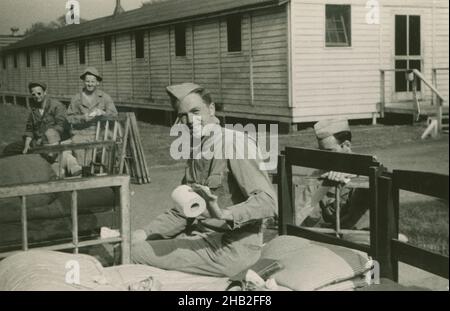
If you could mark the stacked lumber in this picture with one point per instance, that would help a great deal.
(132, 161)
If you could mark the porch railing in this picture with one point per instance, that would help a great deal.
(414, 76)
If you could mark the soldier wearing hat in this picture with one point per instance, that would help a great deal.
(85, 108)
(315, 202)
(46, 121)
(228, 237)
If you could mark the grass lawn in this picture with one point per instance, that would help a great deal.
(423, 220)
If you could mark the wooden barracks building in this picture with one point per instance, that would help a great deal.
(289, 61)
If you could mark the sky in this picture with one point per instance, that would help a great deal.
(23, 13)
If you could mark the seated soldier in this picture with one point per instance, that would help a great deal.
(228, 237)
(316, 205)
(84, 111)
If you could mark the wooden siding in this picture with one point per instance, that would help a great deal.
(160, 65)
(122, 59)
(140, 70)
(207, 57)
(345, 81)
(72, 66)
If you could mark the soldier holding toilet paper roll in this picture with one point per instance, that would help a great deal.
(226, 237)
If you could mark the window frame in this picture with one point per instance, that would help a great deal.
(139, 45)
(28, 58)
(234, 37)
(107, 48)
(347, 27)
(15, 60)
(60, 49)
(43, 52)
(180, 31)
(82, 55)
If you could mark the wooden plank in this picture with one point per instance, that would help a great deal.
(125, 138)
(135, 157)
(324, 238)
(331, 161)
(421, 258)
(125, 223)
(426, 183)
(384, 227)
(285, 210)
(62, 186)
(65, 147)
(24, 221)
(74, 214)
(141, 151)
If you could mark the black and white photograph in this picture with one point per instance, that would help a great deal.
(232, 146)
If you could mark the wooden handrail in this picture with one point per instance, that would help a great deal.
(427, 83)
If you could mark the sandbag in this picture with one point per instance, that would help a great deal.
(25, 169)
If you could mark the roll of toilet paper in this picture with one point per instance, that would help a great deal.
(190, 202)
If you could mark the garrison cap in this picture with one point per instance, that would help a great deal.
(93, 71)
(327, 128)
(180, 91)
(33, 84)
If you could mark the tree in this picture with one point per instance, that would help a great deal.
(41, 27)
(14, 30)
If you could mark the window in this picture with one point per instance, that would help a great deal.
(28, 59)
(61, 55)
(180, 40)
(43, 58)
(15, 60)
(338, 25)
(407, 50)
(107, 46)
(139, 44)
(82, 52)
(4, 61)
(234, 33)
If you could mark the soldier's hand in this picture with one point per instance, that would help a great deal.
(338, 177)
(211, 201)
(138, 236)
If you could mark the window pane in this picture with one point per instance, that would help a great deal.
(415, 64)
(234, 33)
(400, 35)
(15, 60)
(400, 77)
(180, 40)
(4, 62)
(139, 44)
(414, 35)
(43, 58)
(28, 58)
(107, 48)
(338, 25)
(61, 55)
(82, 52)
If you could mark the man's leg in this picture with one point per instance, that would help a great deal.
(83, 157)
(217, 254)
(14, 148)
(68, 162)
(168, 225)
